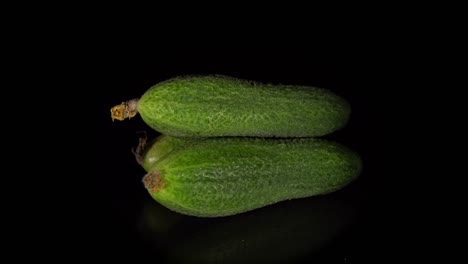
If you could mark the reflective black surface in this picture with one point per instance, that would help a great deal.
(288, 231)
(344, 227)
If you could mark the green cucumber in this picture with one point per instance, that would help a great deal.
(226, 176)
(160, 147)
(215, 106)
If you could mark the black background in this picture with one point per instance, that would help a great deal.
(119, 228)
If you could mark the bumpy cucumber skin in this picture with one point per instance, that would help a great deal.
(160, 147)
(226, 176)
(211, 106)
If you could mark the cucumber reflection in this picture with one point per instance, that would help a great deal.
(282, 232)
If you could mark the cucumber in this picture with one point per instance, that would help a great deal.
(215, 106)
(226, 176)
(160, 147)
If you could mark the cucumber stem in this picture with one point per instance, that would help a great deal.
(138, 152)
(124, 110)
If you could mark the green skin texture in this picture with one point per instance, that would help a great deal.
(160, 147)
(226, 176)
(214, 106)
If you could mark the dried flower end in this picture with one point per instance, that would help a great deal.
(153, 181)
(124, 110)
